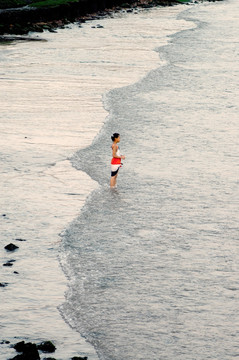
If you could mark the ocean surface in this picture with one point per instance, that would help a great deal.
(149, 269)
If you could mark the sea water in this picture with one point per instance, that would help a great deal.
(151, 266)
(51, 106)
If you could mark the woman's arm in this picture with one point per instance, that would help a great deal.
(114, 151)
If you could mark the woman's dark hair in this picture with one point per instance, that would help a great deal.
(115, 136)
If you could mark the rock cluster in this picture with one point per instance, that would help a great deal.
(24, 20)
(21, 21)
(29, 350)
(3, 284)
(11, 247)
(9, 263)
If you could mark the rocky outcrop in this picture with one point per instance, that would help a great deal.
(47, 346)
(11, 247)
(31, 351)
(3, 284)
(22, 20)
(9, 263)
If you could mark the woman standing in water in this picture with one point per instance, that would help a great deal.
(116, 159)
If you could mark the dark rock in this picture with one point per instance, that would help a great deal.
(19, 347)
(54, 24)
(49, 358)
(102, 13)
(4, 215)
(91, 18)
(79, 358)
(125, 5)
(46, 27)
(147, 6)
(29, 351)
(17, 29)
(3, 284)
(9, 262)
(11, 247)
(4, 342)
(19, 239)
(22, 357)
(15, 272)
(46, 346)
(18, 357)
(38, 28)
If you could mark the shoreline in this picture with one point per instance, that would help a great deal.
(46, 166)
(46, 29)
(21, 21)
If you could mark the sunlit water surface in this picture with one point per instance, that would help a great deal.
(153, 264)
(51, 106)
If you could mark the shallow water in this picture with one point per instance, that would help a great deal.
(153, 264)
(51, 106)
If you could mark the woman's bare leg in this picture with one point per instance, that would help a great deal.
(113, 181)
